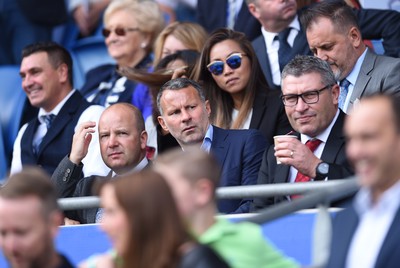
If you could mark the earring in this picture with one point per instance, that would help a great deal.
(143, 45)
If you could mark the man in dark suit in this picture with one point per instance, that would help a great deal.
(277, 16)
(310, 96)
(185, 114)
(367, 233)
(212, 15)
(46, 72)
(123, 141)
(334, 36)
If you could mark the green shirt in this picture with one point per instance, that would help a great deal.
(242, 245)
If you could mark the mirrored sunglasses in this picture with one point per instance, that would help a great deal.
(118, 31)
(233, 61)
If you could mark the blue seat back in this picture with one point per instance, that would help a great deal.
(12, 101)
(88, 53)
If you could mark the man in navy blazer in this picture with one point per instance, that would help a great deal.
(367, 233)
(276, 16)
(185, 114)
(310, 96)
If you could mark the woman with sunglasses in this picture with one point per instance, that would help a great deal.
(236, 88)
(130, 28)
(143, 223)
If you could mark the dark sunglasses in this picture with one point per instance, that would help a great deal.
(118, 31)
(233, 61)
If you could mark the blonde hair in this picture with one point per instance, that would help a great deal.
(147, 14)
(192, 35)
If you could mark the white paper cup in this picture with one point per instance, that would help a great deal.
(276, 142)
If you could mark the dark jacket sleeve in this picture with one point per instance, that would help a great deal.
(66, 176)
(381, 24)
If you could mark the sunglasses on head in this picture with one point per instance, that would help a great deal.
(118, 31)
(233, 61)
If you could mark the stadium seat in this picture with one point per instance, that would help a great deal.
(3, 159)
(12, 101)
(88, 53)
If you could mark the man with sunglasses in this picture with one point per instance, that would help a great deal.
(310, 95)
(184, 112)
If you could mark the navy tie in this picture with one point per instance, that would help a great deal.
(284, 52)
(48, 120)
(344, 89)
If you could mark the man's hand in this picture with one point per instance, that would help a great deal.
(68, 221)
(292, 152)
(81, 141)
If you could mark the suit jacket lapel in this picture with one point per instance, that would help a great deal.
(390, 243)
(363, 77)
(61, 120)
(220, 144)
(259, 107)
(335, 140)
(261, 52)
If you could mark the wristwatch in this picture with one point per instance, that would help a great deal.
(322, 171)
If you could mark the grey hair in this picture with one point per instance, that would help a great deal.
(177, 84)
(304, 64)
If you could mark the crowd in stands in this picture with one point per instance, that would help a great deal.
(245, 92)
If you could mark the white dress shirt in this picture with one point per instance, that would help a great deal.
(272, 47)
(93, 163)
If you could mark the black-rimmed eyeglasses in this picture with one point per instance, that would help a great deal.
(118, 31)
(309, 97)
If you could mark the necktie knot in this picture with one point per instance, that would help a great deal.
(282, 36)
(313, 144)
(344, 83)
(48, 119)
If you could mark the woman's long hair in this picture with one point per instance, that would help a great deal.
(221, 101)
(156, 229)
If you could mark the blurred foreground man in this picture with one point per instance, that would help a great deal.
(367, 234)
(193, 176)
(29, 220)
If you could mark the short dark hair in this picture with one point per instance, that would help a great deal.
(176, 84)
(304, 64)
(31, 181)
(57, 55)
(337, 11)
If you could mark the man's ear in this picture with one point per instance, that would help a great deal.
(208, 108)
(162, 123)
(55, 219)
(143, 139)
(63, 73)
(355, 37)
(204, 191)
(253, 10)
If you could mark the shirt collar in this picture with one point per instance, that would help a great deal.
(207, 141)
(323, 136)
(352, 77)
(142, 164)
(56, 109)
(389, 201)
(269, 37)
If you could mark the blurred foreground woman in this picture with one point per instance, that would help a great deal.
(141, 219)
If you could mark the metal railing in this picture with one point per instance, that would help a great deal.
(315, 194)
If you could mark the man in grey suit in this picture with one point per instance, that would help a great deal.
(310, 95)
(334, 36)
